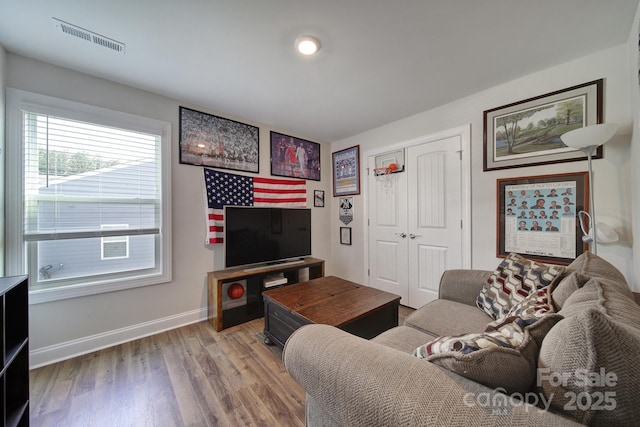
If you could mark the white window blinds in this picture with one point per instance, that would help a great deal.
(81, 176)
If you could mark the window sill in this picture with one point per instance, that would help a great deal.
(40, 296)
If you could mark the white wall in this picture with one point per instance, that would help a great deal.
(3, 66)
(611, 174)
(61, 328)
(634, 83)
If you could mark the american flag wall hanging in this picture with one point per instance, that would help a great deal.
(226, 189)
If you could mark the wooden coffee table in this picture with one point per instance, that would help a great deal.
(354, 308)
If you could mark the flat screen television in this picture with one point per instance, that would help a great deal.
(265, 235)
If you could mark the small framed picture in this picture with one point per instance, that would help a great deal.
(318, 198)
(294, 157)
(345, 235)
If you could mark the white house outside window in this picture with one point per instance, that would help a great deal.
(92, 213)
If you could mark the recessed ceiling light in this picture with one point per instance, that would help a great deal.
(307, 45)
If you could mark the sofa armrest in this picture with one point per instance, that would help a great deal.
(363, 383)
(463, 286)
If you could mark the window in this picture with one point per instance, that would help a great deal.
(114, 247)
(92, 213)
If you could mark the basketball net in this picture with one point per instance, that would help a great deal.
(383, 175)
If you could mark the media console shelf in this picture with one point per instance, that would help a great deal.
(253, 279)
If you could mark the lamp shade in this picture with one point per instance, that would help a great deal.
(589, 136)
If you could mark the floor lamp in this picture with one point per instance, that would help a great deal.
(587, 139)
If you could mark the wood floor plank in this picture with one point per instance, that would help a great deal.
(191, 376)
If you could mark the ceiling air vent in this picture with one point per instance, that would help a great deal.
(81, 33)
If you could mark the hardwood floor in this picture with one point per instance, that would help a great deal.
(190, 376)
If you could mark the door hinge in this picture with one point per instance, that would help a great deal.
(459, 153)
(368, 221)
(461, 227)
(368, 272)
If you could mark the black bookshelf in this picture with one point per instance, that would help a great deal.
(14, 292)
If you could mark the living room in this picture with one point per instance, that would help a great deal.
(68, 327)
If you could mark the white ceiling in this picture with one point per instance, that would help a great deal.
(380, 61)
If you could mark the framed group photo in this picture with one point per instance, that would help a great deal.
(538, 216)
(346, 171)
(208, 140)
(527, 133)
(294, 157)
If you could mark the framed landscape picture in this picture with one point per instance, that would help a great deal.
(294, 157)
(527, 133)
(208, 140)
(537, 216)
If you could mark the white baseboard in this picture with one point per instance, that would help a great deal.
(66, 350)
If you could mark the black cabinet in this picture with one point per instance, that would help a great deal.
(15, 350)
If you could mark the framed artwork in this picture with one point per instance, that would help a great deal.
(207, 140)
(318, 198)
(537, 216)
(527, 133)
(294, 157)
(345, 235)
(346, 171)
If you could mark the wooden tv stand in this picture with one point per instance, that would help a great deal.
(254, 308)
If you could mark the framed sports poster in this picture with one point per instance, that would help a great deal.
(537, 216)
(294, 157)
(208, 140)
(346, 171)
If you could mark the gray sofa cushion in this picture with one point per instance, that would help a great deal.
(403, 338)
(601, 330)
(443, 317)
(594, 266)
(603, 295)
(463, 285)
(592, 343)
(568, 285)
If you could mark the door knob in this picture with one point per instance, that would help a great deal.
(403, 235)
(413, 236)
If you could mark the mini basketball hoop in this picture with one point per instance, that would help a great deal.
(383, 174)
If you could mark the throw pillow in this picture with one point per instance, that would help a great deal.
(492, 358)
(537, 304)
(505, 354)
(514, 279)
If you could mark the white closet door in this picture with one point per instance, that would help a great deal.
(387, 224)
(434, 216)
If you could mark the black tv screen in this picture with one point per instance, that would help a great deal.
(263, 235)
